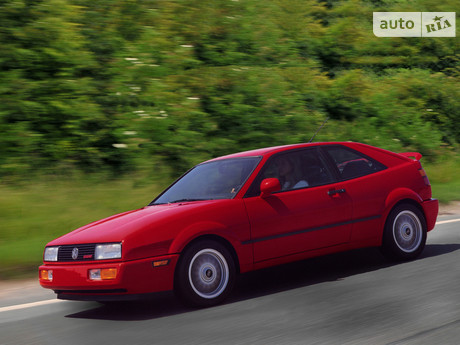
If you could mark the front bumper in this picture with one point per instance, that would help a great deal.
(71, 281)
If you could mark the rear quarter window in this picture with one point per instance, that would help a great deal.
(352, 164)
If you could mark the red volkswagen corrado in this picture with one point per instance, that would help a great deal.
(248, 211)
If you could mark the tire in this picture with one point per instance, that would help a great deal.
(205, 274)
(404, 235)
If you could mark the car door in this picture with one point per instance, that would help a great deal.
(310, 211)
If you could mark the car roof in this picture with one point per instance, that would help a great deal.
(274, 149)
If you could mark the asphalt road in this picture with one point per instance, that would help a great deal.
(348, 298)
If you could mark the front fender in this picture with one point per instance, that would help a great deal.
(243, 252)
(197, 230)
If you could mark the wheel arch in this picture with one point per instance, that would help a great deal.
(401, 196)
(216, 238)
(409, 201)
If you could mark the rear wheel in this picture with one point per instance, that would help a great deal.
(405, 233)
(205, 274)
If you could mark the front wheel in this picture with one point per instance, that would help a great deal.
(404, 236)
(205, 274)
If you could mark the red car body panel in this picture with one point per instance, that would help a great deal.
(285, 223)
(261, 231)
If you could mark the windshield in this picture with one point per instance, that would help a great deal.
(220, 179)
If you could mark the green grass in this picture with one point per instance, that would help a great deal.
(446, 192)
(445, 180)
(34, 213)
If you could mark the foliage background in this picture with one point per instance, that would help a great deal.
(116, 85)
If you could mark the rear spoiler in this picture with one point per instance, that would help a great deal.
(417, 156)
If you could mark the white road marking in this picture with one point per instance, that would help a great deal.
(448, 221)
(29, 305)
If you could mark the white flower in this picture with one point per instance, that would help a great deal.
(120, 146)
(140, 113)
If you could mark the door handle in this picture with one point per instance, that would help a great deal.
(333, 192)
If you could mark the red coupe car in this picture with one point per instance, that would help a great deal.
(244, 212)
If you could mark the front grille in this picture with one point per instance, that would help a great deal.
(85, 252)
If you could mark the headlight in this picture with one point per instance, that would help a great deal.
(51, 254)
(108, 251)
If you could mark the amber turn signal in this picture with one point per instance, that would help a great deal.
(160, 263)
(103, 274)
(46, 275)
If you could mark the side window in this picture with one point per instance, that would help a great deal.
(352, 164)
(294, 170)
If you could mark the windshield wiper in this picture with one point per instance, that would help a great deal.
(179, 200)
(185, 200)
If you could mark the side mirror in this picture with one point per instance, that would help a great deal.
(269, 186)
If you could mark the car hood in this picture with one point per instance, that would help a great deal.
(121, 226)
(150, 231)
